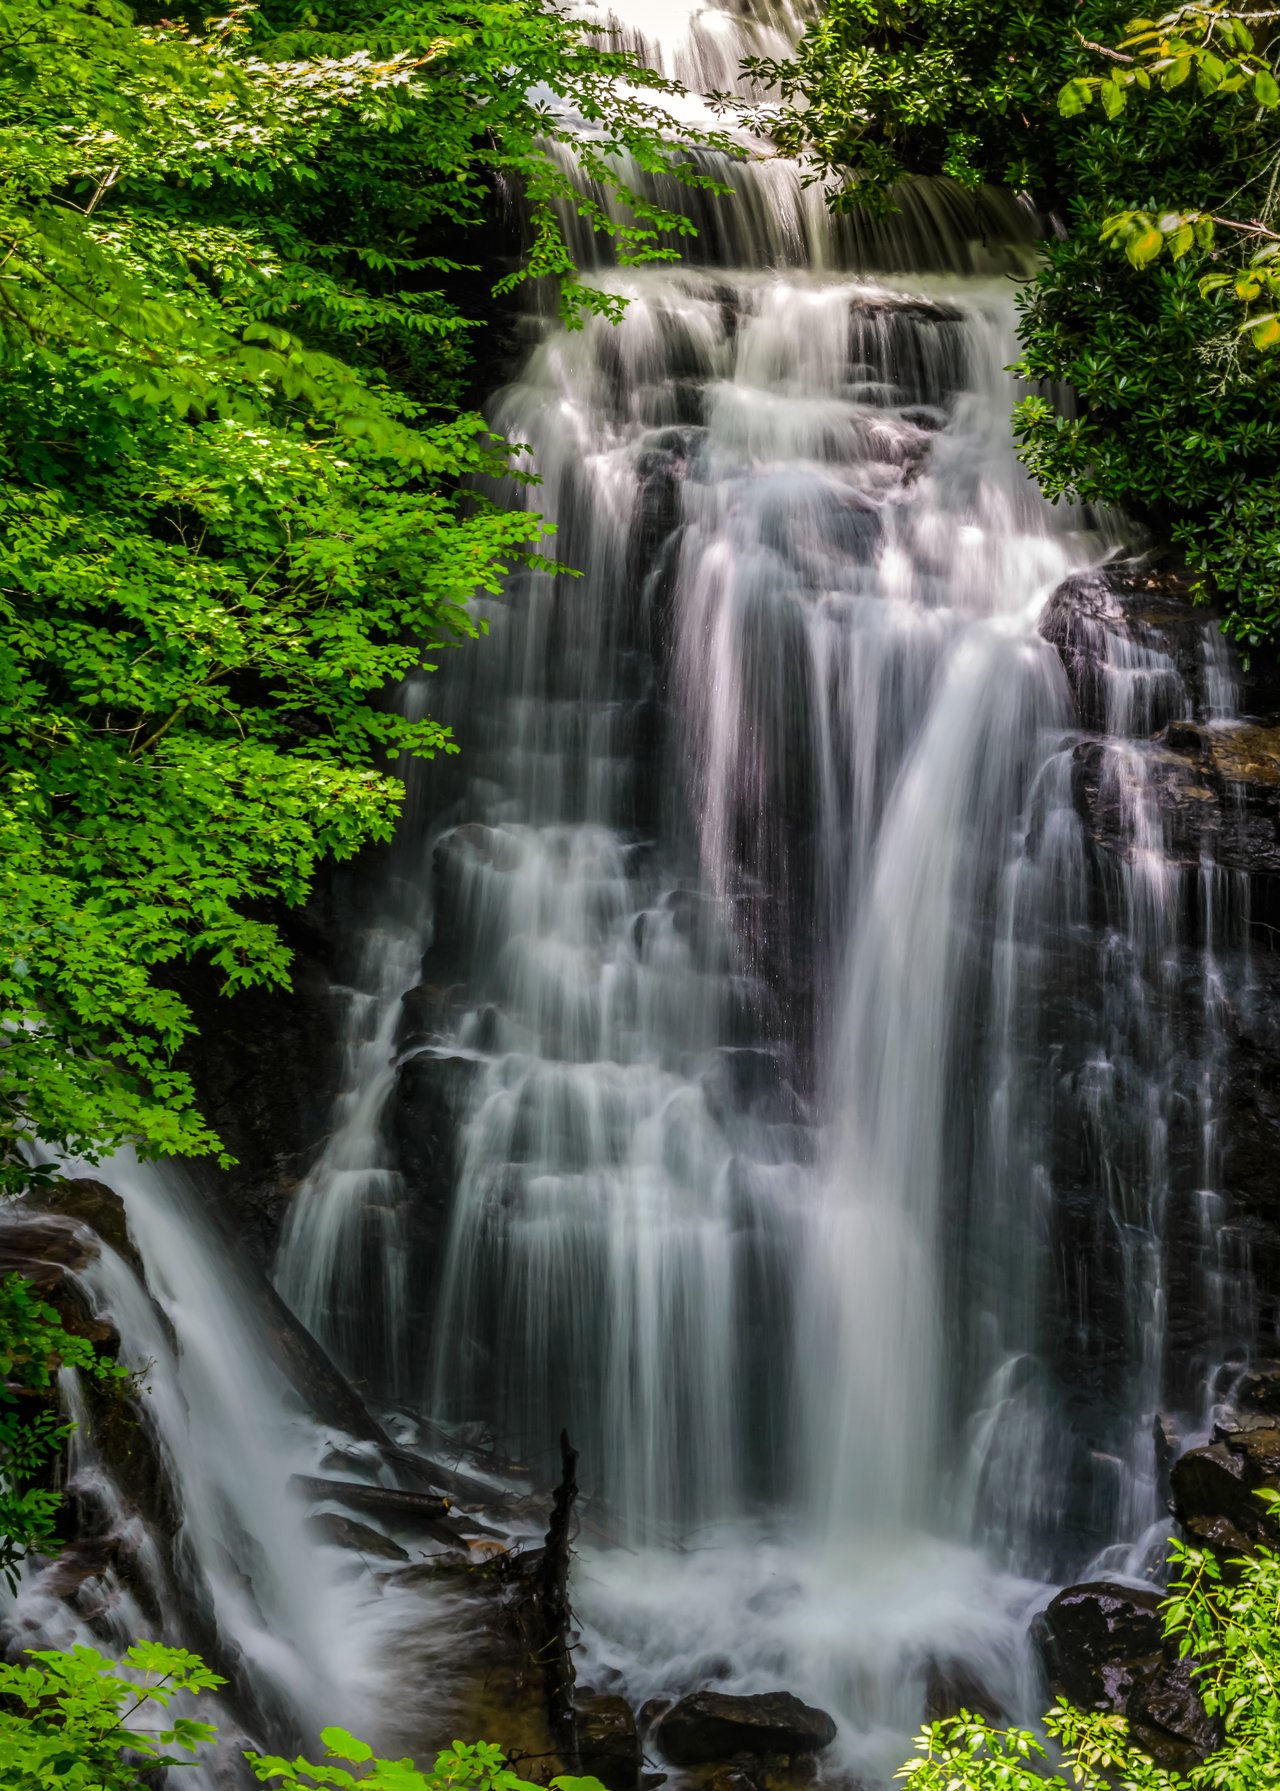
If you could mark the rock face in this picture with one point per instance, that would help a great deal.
(714, 1726)
(1129, 617)
(267, 1067)
(1173, 822)
(1103, 1648)
(1217, 792)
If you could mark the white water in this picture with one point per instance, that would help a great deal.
(763, 938)
(307, 1634)
(763, 850)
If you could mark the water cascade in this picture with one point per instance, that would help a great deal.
(751, 1070)
(765, 969)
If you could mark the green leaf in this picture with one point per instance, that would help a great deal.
(1143, 246)
(345, 1746)
(1265, 90)
(1114, 97)
(1075, 97)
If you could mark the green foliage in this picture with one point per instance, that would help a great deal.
(234, 475)
(1157, 303)
(33, 1345)
(76, 1721)
(70, 1720)
(1214, 45)
(1229, 1624)
(349, 1762)
(886, 88)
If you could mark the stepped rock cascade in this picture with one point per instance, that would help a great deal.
(792, 1036)
(786, 1048)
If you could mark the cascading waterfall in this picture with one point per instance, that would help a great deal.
(766, 890)
(818, 1119)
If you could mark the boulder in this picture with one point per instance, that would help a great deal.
(1214, 1487)
(651, 1713)
(714, 1726)
(421, 1121)
(728, 1778)
(1103, 1648)
(1091, 1638)
(90, 1203)
(608, 1740)
(1168, 1718)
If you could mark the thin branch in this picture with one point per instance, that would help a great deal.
(1102, 50)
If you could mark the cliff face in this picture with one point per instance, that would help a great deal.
(1175, 756)
(1202, 737)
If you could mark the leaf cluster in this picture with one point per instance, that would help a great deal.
(237, 478)
(350, 1762)
(75, 1721)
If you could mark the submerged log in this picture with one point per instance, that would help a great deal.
(402, 1510)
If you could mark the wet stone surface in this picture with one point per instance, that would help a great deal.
(1103, 1648)
(713, 1726)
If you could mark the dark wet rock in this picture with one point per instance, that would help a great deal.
(1090, 1636)
(1216, 790)
(608, 1740)
(51, 1249)
(749, 1079)
(727, 1778)
(1164, 1435)
(1214, 1489)
(1103, 1648)
(421, 1122)
(324, 1390)
(91, 1203)
(651, 1713)
(1257, 1389)
(1168, 1718)
(714, 1726)
(952, 1686)
(267, 1067)
(427, 1013)
(1132, 617)
(464, 858)
(347, 1533)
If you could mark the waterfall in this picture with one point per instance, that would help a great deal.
(749, 1068)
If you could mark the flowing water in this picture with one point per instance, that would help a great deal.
(821, 1111)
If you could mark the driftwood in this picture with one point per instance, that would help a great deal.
(554, 1654)
(435, 1516)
